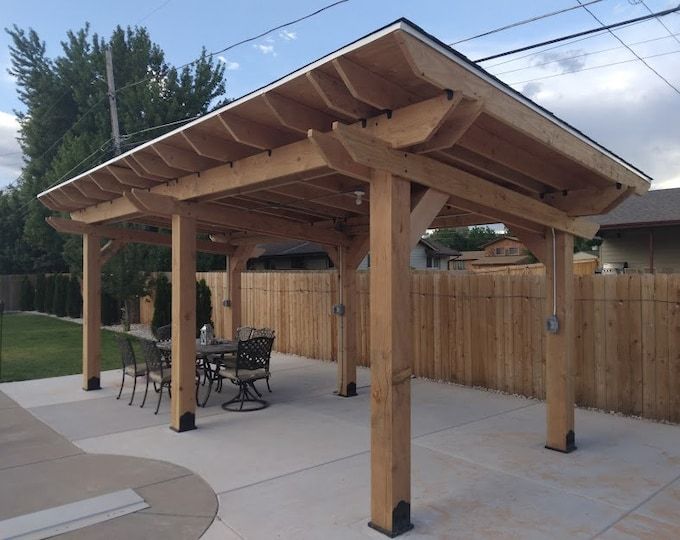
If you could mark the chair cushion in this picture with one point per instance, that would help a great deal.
(155, 376)
(243, 374)
(130, 370)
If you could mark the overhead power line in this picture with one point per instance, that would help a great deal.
(579, 34)
(594, 67)
(640, 58)
(670, 32)
(581, 55)
(242, 42)
(523, 22)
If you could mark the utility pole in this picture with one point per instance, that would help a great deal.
(115, 133)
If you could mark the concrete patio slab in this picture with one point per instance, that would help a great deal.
(479, 466)
(621, 461)
(24, 441)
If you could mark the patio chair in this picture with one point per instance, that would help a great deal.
(252, 364)
(156, 371)
(227, 360)
(263, 332)
(164, 333)
(130, 367)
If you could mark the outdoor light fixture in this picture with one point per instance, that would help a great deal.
(359, 194)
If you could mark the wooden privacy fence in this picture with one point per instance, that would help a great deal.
(487, 330)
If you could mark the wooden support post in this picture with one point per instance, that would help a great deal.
(391, 348)
(346, 259)
(236, 264)
(92, 353)
(559, 374)
(183, 404)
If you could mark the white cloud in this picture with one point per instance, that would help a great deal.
(624, 107)
(288, 35)
(265, 49)
(10, 153)
(228, 64)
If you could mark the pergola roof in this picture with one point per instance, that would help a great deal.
(286, 160)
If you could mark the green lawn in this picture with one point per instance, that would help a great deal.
(37, 346)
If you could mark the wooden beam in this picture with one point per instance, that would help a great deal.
(213, 213)
(179, 158)
(336, 97)
(134, 165)
(90, 190)
(296, 116)
(214, 146)
(57, 196)
(589, 201)
(372, 152)
(91, 313)
(110, 249)
(559, 367)
(54, 204)
(371, 88)
(496, 215)
(155, 166)
(183, 403)
(424, 212)
(336, 156)
(252, 133)
(70, 226)
(305, 191)
(128, 178)
(108, 183)
(453, 128)
(435, 68)
(71, 193)
(535, 243)
(391, 355)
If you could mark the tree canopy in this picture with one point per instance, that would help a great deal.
(464, 238)
(65, 129)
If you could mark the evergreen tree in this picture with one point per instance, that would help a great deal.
(60, 291)
(203, 305)
(464, 238)
(26, 294)
(68, 92)
(49, 294)
(40, 292)
(162, 302)
(74, 299)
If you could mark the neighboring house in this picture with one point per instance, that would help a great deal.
(310, 256)
(642, 234)
(503, 251)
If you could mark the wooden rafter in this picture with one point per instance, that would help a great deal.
(296, 116)
(371, 152)
(150, 203)
(335, 95)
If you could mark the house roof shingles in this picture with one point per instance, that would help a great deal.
(658, 207)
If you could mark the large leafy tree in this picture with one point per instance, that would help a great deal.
(65, 128)
(464, 238)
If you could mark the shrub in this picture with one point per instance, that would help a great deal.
(203, 305)
(74, 300)
(60, 290)
(110, 309)
(162, 303)
(26, 295)
(39, 303)
(49, 294)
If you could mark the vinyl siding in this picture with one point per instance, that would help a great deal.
(632, 246)
(418, 260)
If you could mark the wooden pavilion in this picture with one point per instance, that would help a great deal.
(398, 119)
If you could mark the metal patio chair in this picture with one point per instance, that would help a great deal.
(164, 333)
(252, 364)
(130, 367)
(156, 371)
(263, 332)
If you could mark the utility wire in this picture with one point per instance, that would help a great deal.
(591, 53)
(594, 67)
(664, 79)
(600, 29)
(559, 46)
(670, 32)
(238, 43)
(523, 22)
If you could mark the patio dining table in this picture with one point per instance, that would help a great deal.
(204, 352)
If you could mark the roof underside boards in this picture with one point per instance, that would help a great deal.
(254, 166)
(658, 207)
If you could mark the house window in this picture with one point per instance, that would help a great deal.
(499, 251)
(512, 251)
(428, 264)
(458, 265)
(297, 263)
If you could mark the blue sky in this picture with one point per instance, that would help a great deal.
(625, 107)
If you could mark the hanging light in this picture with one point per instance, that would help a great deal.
(359, 194)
